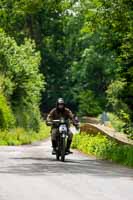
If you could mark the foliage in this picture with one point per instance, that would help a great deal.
(86, 53)
(104, 148)
(20, 136)
(7, 119)
(103, 59)
(22, 84)
(88, 104)
(116, 122)
(44, 22)
(116, 19)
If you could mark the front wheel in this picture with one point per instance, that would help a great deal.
(63, 149)
(58, 151)
(57, 157)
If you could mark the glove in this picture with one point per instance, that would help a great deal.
(77, 126)
(49, 123)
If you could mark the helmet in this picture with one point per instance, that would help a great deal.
(60, 101)
(60, 104)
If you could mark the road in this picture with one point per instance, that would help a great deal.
(32, 173)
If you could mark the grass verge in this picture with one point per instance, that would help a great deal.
(104, 148)
(20, 136)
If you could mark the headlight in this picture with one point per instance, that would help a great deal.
(62, 128)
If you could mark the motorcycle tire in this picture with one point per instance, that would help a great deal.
(63, 149)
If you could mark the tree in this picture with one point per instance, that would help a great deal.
(43, 21)
(22, 83)
(116, 18)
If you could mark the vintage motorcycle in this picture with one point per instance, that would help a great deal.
(63, 126)
(62, 136)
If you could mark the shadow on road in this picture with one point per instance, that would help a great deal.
(31, 166)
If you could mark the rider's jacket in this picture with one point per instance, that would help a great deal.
(57, 114)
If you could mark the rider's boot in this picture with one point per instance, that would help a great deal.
(54, 147)
(68, 147)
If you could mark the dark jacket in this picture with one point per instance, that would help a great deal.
(57, 114)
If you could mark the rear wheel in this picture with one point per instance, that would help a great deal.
(63, 149)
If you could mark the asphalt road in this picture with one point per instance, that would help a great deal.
(32, 173)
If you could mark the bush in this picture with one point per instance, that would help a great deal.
(7, 119)
(29, 118)
(20, 136)
(117, 123)
(121, 125)
(104, 148)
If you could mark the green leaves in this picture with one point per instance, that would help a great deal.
(7, 119)
(85, 50)
(88, 103)
(104, 148)
(115, 91)
(22, 84)
(20, 136)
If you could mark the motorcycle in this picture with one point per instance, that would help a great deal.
(62, 136)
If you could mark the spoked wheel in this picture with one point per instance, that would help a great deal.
(63, 150)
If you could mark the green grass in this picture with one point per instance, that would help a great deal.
(104, 148)
(20, 136)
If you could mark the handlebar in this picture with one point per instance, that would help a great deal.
(56, 122)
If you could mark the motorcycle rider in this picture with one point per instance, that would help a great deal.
(56, 113)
